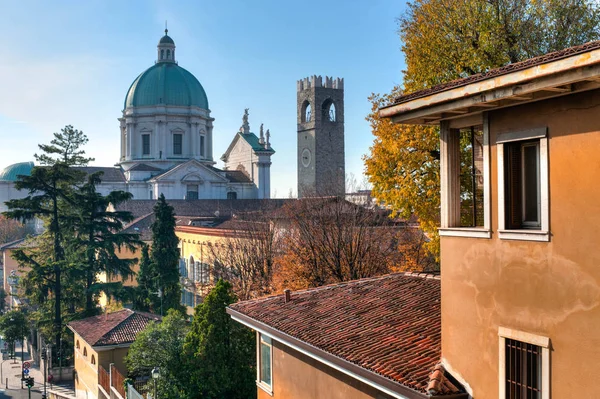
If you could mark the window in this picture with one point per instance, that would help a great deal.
(168, 54)
(177, 144)
(93, 359)
(265, 359)
(85, 352)
(191, 192)
(464, 178)
(202, 273)
(328, 111)
(524, 365)
(523, 185)
(231, 195)
(306, 112)
(145, 144)
(162, 54)
(202, 146)
(77, 344)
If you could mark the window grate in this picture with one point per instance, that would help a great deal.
(523, 370)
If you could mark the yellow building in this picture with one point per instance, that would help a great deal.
(100, 341)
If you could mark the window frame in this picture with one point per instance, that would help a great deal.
(268, 388)
(525, 234)
(144, 137)
(450, 181)
(180, 135)
(533, 339)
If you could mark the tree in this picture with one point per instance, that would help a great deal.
(2, 300)
(332, 240)
(50, 189)
(98, 236)
(11, 230)
(220, 352)
(161, 345)
(13, 326)
(164, 258)
(145, 282)
(445, 40)
(246, 256)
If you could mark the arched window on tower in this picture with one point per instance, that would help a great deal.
(306, 112)
(328, 111)
(162, 54)
(168, 54)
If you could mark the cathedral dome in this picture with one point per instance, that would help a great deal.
(11, 172)
(166, 83)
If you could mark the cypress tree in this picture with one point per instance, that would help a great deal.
(165, 259)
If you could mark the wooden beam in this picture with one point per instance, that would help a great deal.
(486, 105)
(563, 89)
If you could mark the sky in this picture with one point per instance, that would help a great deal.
(72, 62)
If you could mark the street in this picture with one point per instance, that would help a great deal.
(19, 393)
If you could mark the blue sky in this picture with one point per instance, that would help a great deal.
(71, 62)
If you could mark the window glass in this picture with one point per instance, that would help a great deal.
(202, 146)
(192, 192)
(231, 195)
(265, 360)
(471, 178)
(523, 365)
(522, 185)
(177, 141)
(145, 144)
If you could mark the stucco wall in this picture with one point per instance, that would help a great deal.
(546, 288)
(86, 383)
(297, 376)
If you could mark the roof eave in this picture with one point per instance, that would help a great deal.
(368, 377)
(580, 72)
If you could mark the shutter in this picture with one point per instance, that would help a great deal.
(513, 186)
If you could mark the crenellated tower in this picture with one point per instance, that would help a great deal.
(321, 162)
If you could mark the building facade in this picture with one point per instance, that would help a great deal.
(520, 284)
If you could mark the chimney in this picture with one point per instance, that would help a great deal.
(287, 295)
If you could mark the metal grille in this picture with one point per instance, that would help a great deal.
(523, 370)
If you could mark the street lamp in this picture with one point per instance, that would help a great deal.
(155, 376)
(45, 359)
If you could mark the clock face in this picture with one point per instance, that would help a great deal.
(306, 157)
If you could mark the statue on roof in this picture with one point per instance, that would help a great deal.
(261, 139)
(245, 128)
(268, 139)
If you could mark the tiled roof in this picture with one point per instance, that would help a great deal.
(117, 328)
(515, 67)
(142, 226)
(142, 167)
(202, 207)
(110, 174)
(388, 325)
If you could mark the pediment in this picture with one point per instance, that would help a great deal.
(192, 172)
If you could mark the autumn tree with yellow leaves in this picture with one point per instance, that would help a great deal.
(445, 40)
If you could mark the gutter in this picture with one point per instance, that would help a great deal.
(368, 377)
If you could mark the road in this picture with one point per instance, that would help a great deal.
(19, 394)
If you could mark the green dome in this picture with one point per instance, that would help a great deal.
(11, 172)
(166, 39)
(166, 83)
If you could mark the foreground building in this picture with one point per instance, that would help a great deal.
(371, 338)
(521, 284)
(100, 345)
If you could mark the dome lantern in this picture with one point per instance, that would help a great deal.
(166, 49)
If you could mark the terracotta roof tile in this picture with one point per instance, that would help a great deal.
(390, 325)
(115, 328)
(515, 67)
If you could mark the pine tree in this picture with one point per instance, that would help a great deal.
(50, 189)
(165, 259)
(98, 238)
(221, 352)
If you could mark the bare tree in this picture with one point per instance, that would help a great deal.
(331, 240)
(11, 229)
(246, 255)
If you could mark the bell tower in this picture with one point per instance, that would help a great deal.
(320, 108)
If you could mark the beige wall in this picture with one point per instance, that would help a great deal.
(546, 288)
(297, 376)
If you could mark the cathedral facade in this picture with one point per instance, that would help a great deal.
(166, 140)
